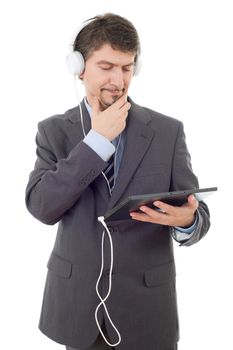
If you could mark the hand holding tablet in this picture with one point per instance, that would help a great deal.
(133, 203)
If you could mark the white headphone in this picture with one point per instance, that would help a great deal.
(75, 60)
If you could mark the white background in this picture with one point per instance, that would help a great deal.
(187, 73)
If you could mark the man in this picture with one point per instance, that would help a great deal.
(70, 184)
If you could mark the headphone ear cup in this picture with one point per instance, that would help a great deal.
(75, 63)
(137, 66)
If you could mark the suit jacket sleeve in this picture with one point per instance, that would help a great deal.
(56, 184)
(184, 178)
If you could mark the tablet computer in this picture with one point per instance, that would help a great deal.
(133, 203)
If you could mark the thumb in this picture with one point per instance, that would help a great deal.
(193, 202)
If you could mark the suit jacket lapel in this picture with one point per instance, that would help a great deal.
(138, 139)
(75, 128)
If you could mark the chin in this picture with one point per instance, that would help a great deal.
(107, 102)
(105, 105)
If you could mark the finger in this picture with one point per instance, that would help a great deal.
(141, 217)
(150, 215)
(166, 208)
(155, 214)
(121, 112)
(96, 105)
(125, 108)
(121, 101)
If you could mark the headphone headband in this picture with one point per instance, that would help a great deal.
(76, 33)
(75, 60)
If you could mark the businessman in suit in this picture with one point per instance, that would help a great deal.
(70, 185)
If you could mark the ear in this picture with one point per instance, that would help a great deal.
(81, 76)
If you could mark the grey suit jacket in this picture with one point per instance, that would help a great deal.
(67, 186)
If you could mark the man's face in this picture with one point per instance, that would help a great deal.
(107, 75)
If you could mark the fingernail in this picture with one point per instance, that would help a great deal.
(142, 208)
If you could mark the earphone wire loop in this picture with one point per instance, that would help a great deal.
(102, 300)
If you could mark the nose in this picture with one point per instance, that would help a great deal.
(117, 78)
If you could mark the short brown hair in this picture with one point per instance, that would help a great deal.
(109, 29)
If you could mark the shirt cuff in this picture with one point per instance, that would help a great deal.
(102, 146)
(182, 234)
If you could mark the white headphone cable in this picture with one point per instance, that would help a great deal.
(79, 102)
(101, 219)
(102, 300)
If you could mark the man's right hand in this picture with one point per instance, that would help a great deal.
(112, 121)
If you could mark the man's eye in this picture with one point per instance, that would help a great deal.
(105, 68)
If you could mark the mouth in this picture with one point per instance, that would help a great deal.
(114, 91)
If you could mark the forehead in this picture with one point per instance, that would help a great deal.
(107, 53)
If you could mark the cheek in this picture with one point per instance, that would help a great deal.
(128, 79)
(94, 80)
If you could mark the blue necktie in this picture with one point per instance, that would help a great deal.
(109, 172)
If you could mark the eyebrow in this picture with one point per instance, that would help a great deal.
(112, 64)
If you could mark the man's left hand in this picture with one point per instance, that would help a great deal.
(182, 216)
